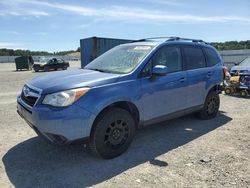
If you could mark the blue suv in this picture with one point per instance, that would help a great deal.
(128, 87)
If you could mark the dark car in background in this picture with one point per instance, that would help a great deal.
(47, 64)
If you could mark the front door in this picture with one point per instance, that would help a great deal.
(163, 95)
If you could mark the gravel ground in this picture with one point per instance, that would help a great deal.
(184, 152)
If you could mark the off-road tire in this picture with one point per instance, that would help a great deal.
(112, 133)
(211, 106)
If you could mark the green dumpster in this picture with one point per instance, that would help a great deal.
(24, 62)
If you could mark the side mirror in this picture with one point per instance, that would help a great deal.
(236, 63)
(159, 70)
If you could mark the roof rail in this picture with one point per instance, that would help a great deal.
(186, 39)
(145, 39)
(171, 39)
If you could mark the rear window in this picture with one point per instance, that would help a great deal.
(212, 57)
(194, 58)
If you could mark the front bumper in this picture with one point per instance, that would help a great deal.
(58, 125)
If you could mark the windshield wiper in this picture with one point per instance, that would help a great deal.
(99, 70)
(105, 71)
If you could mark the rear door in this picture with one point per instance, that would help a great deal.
(197, 74)
(214, 65)
(163, 95)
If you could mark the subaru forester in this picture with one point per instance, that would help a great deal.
(130, 86)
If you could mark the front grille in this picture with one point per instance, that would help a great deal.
(31, 97)
(29, 100)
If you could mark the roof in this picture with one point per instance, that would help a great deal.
(149, 43)
(173, 40)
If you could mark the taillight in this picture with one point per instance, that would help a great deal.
(225, 71)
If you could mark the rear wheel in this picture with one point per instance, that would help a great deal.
(228, 91)
(112, 133)
(211, 106)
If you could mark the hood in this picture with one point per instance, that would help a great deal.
(63, 80)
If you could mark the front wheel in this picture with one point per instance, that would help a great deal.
(211, 106)
(112, 133)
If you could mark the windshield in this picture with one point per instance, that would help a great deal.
(121, 59)
(245, 62)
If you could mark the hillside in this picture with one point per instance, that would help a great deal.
(18, 52)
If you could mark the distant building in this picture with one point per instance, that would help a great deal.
(93, 47)
(233, 56)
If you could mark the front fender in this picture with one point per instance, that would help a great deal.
(100, 97)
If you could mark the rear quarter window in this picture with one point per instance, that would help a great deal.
(194, 58)
(212, 57)
(60, 61)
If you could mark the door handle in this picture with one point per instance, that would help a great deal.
(209, 74)
(182, 80)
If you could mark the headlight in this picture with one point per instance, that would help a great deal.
(64, 98)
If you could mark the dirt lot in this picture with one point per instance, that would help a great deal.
(185, 152)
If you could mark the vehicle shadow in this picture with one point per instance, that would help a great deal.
(35, 163)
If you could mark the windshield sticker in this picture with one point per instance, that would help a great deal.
(142, 48)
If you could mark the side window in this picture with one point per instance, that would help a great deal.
(50, 61)
(169, 56)
(146, 71)
(194, 58)
(53, 61)
(59, 60)
(212, 57)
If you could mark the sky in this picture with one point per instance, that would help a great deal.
(57, 25)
